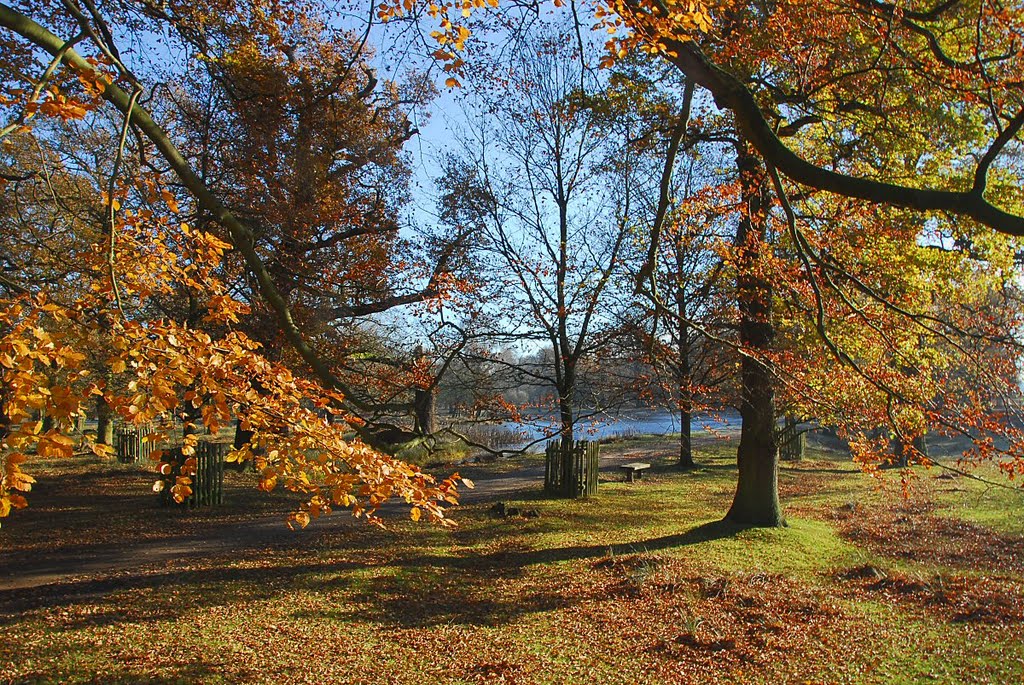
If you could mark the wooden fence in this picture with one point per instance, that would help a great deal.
(791, 440)
(208, 480)
(571, 473)
(208, 483)
(132, 445)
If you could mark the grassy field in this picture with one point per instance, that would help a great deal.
(642, 584)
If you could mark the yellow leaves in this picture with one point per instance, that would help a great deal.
(104, 451)
(268, 480)
(13, 478)
(53, 444)
(414, 513)
(168, 197)
(238, 456)
(452, 82)
(60, 106)
(299, 518)
(162, 362)
(181, 490)
(651, 27)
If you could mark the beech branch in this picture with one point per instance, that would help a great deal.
(730, 93)
(240, 235)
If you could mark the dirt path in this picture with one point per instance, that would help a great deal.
(71, 564)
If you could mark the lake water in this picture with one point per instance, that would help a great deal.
(624, 425)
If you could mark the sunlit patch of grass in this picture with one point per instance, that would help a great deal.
(1000, 507)
(642, 584)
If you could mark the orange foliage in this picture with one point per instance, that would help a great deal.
(166, 365)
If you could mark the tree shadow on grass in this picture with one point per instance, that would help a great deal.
(411, 595)
(205, 587)
(706, 532)
(463, 590)
(194, 671)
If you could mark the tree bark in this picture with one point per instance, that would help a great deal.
(685, 376)
(5, 419)
(242, 437)
(757, 491)
(685, 439)
(424, 402)
(566, 411)
(424, 410)
(104, 422)
(903, 453)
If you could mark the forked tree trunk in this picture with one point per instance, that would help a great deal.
(757, 491)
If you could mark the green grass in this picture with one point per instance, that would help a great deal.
(643, 584)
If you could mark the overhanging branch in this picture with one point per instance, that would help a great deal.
(730, 93)
(240, 235)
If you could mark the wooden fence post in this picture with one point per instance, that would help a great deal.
(208, 481)
(133, 443)
(792, 441)
(571, 472)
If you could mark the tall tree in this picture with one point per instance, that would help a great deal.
(550, 236)
(171, 361)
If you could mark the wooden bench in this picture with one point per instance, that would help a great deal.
(634, 471)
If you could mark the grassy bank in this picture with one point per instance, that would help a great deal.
(643, 584)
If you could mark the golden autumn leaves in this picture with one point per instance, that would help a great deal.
(30, 358)
(643, 25)
(57, 358)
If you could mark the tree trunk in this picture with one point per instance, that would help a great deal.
(903, 454)
(685, 440)
(104, 422)
(685, 377)
(921, 445)
(191, 417)
(424, 411)
(242, 437)
(5, 419)
(757, 491)
(565, 412)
